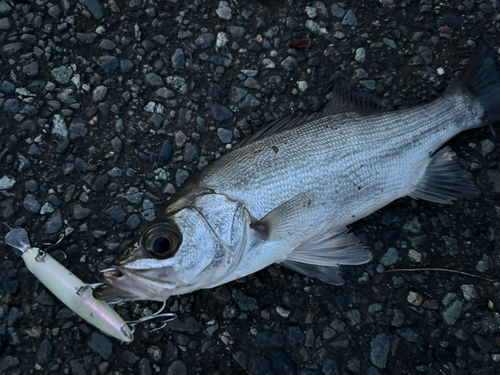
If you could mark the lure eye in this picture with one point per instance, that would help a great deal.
(162, 240)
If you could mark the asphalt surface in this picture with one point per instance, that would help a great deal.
(107, 107)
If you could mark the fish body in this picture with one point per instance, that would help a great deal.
(288, 196)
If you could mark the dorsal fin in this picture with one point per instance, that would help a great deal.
(348, 97)
(345, 97)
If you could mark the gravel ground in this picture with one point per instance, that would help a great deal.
(108, 106)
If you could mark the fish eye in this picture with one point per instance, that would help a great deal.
(162, 240)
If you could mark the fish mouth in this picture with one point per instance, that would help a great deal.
(120, 284)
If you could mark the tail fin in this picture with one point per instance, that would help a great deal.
(482, 79)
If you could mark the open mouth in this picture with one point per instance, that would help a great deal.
(122, 285)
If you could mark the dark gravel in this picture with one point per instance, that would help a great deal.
(107, 106)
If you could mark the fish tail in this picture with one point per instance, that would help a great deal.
(481, 78)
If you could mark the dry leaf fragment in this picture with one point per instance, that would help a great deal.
(299, 43)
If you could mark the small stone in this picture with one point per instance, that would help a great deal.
(360, 54)
(390, 43)
(415, 299)
(302, 85)
(178, 59)
(44, 352)
(62, 74)
(337, 11)
(290, 63)
(4, 24)
(225, 135)
(31, 204)
(80, 212)
(224, 11)
(487, 146)
(116, 213)
(180, 176)
(380, 346)
(6, 183)
(94, 7)
(126, 66)
(414, 256)
(220, 113)
(244, 302)
(166, 153)
(133, 221)
(108, 63)
(469, 292)
(31, 70)
(99, 94)
(390, 257)
(205, 40)
(484, 264)
(54, 223)
(311, 12)
(117, 144)
(101, 345)
(154, 79)
(452, 312)
(107, 44)
(350, 19)
(222, 40)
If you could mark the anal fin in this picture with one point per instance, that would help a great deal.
(321, 256)
(443, 180)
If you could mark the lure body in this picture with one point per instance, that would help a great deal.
(68, 288)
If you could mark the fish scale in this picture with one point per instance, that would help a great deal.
(335, 155)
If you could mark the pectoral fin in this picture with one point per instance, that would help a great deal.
(284, 220)
(321, 256)
(443, 180)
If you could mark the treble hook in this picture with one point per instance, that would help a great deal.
(157, 315)
(50, 246)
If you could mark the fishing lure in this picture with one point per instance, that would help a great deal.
(72, 291)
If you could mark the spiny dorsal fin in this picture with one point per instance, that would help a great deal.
(345, 97)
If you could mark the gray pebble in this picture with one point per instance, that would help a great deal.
(31, 70)
(108, 63)
(390, 43)
(126, 66)
(205, 40)
(244, 302)
(177, 368)
(116, 213)
(54, 11)
(161, 39)
(180, 176)
(237, 94)
(360, 55)
(225, 135)
(224, 11)
(190, 153)
(337, 11)
(330, 367)
(77, 129)
(487, 146)
(145, 367)
(220, 113)
(178, 59)
(154, 79)
(7, 87)
(94, 7)
(107, 44)
(44, 352)
(99, 94)
(80, 212)
(117, 144)
(258, 365)
(133, 221)
(290, 63)
(166, 153)
(31, 185)
(494, 177)
(101, 345)
(236, 31)
(31, 204)
(484, 264)
(12, 106)
(295, 335)
(100, 183)
(62, 74)
(350, 19)
(390, 257)
(54, 223)
(87, 38)
(6, 183)
(379, 350)
(11, 49)
(451, 313)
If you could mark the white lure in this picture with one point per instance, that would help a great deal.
(69, 288)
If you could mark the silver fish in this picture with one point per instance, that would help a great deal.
(287, 196)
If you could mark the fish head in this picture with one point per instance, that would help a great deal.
(181, 251)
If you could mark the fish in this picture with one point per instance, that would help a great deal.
(287, 194)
